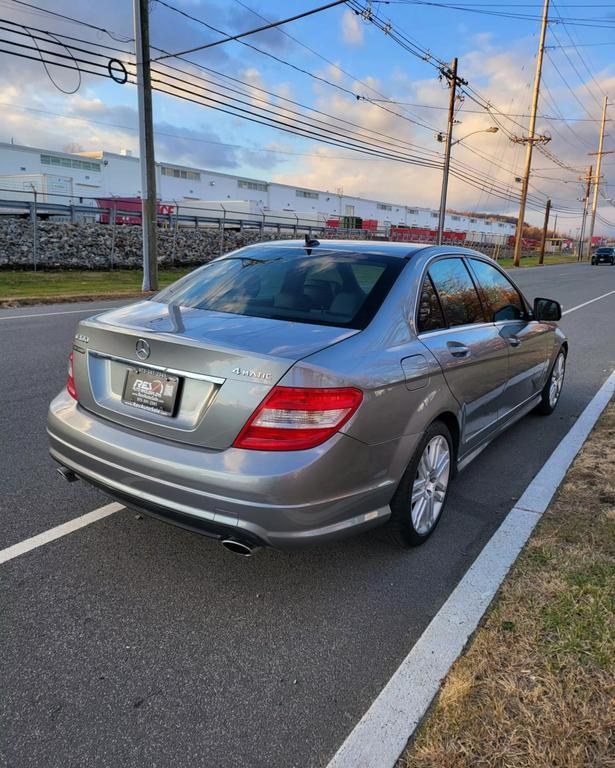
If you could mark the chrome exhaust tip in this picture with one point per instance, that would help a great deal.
(238, 547)
(67, 474)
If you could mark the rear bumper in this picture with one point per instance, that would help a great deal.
(276, 499)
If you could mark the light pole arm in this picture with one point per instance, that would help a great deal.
(482, 130)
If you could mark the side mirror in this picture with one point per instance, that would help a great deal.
(547, 310)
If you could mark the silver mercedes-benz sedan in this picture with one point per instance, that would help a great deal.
(292, 392)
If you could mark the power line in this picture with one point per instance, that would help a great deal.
(328, 61)
(285, 62)
(463, 110)
(581, 58)
(575, 21)
(113, 35)
(394, 140)
(271, 25)
(183, 137)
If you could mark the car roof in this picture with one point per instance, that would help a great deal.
(382, 247)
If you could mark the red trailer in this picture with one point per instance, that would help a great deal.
(371, 224)
(129, 207)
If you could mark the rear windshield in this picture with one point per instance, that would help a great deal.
(325, 287)
(607, 251)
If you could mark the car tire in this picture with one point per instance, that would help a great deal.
(553, 388)
(420, 498)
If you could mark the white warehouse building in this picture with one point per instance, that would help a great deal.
(83, 177)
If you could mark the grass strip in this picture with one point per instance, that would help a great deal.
(26, 287)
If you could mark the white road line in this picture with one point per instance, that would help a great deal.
(56, 533)
(381, 735)
(585, 303)
(51, 314)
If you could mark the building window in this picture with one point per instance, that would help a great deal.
(472, 221)
(488, 223)
(412, 211)
(456, 218)
(434, 215)
(306, 193)
(384, 207)
(67, 162)
(257, 185)
(177, 173)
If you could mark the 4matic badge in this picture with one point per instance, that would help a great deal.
(252, 373)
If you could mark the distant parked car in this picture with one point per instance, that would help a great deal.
(604, 255)
(293, 392)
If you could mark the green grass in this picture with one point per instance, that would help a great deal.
(532, 261)
(59, 284)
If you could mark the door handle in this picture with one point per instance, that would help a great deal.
(514, 341)
(457, 349)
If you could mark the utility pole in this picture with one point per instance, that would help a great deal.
(600, 152)
(588, 179)
(544, 233)
(146, 145)
(530, 136)
(452, 81)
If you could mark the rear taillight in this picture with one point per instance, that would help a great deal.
(70, 381)
(292, 418)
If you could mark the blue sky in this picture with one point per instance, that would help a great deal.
(496, 55)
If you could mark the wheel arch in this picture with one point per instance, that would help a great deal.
(451, 422)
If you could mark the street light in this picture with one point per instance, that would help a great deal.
(447, 159)
(491, 129)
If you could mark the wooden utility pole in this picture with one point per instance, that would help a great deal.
(530, 137)
(587, 179)
(544, 233)
(452, 80)
(146, 145)
(600, 152)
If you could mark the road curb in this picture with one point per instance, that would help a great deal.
(381, 735)
(33, 301)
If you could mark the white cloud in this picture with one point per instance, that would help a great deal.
(352, 29)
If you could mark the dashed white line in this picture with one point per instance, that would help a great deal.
(56, 533)
(585, 303)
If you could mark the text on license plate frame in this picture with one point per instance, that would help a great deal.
(150, 390)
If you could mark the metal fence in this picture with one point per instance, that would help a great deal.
(264, 224)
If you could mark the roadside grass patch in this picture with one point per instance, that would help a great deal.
(536, 686)
(532, 261)
(62, 284)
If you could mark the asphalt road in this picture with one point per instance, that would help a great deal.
(132, 643)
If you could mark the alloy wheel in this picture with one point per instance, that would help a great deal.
(430, 485)
(557, 379)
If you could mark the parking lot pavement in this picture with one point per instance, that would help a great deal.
(133, 643)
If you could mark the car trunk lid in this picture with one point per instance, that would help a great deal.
(222, 366)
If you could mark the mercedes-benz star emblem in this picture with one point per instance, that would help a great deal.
(143, 350)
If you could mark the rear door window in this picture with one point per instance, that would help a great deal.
(502, 298)
(458, 296)
(429, 316)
